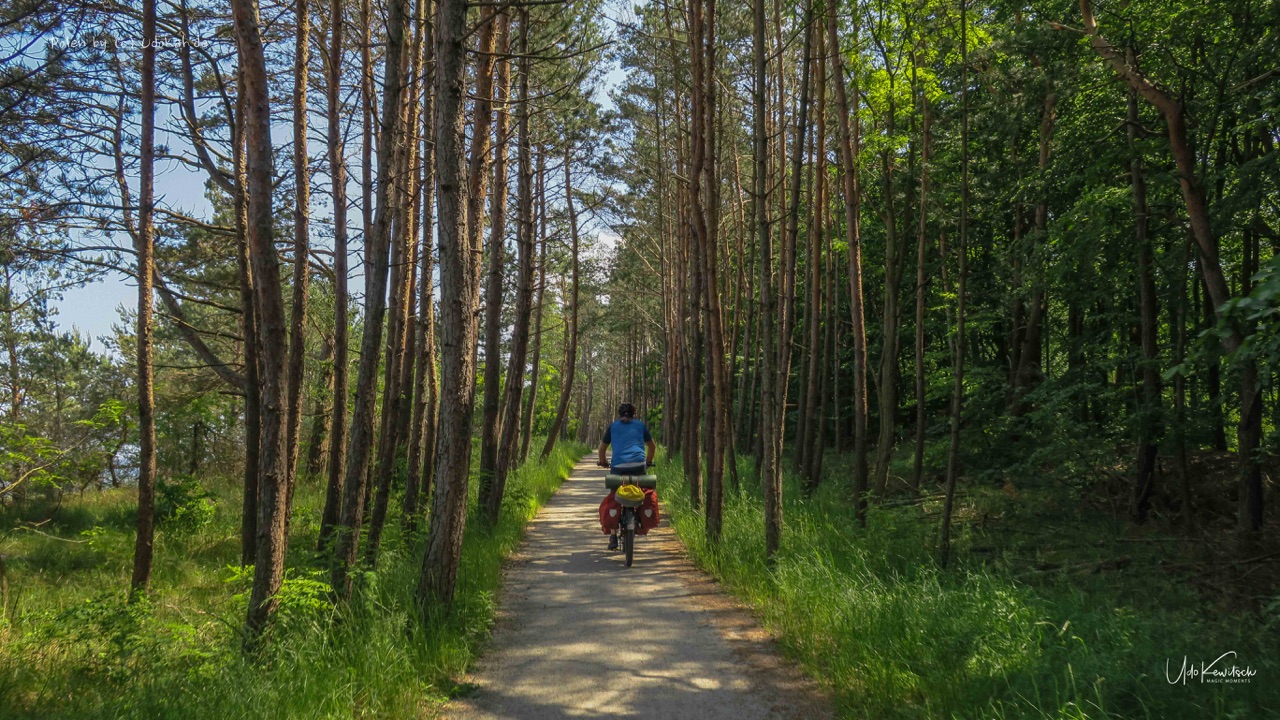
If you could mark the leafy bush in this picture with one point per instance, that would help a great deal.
(183, 506)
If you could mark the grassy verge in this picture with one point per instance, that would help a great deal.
(71, 647)
(869, 613)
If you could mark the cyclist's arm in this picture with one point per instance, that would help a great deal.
(650, 447)
(604, 445)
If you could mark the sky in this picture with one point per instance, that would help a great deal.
(93, 309)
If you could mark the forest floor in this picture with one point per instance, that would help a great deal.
(580, 634)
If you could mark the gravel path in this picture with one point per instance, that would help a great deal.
(581, 635)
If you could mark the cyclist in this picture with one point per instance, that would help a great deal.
(633, 450)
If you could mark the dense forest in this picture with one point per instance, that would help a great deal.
(958, 324)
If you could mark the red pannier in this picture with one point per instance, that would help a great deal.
(611, 510)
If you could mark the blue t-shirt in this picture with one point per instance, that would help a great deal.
(628, 439)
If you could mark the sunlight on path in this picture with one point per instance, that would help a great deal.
(584, 636)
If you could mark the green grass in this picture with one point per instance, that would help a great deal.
(71, 647)
(869, 613)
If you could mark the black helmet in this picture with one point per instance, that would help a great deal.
(627, 410)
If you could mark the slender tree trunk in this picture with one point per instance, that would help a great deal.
(790, 239)
(272, 460)
(536, 365)
(769, 477)
(704, 199)
(145, 245)
(849, 150)
(341, 320)
(423, 424)
(571, 352)
(1027, 371)
(249, 331)
(810, 417)
(399, 139)
(524, 286)
(922, 416)
(891, 311)
(296, 369)
(1179, 331)
(957, 393)
(377, 248)
(491, 425)
(459, 298)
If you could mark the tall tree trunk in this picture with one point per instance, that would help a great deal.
(535, 368)
(809, 421)
(704, 199)
(851, 187)
(422, 430)
(957, 392)
(248, 331)
(787, 279)
(524, 286)
(891, 311)
(377, 248)
(272, 460)
(922, 416)
(400, 140)
(145, 245)
(1178, 325)
(295, 371)
(571, 351)
(459, 298)
(771, 479)
(341, 321)
(491, 425)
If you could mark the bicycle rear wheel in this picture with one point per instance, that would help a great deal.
(629, 543)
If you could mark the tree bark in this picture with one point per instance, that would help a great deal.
(459, 297)
(491, 425)
(571, 351)
(524, 287)
(957, 393)
(145, 244)
(377, 247)
(922, 416)
(530, 405)
(273, 457)
(891, 311)
(422, 429)
(851, 188)
(296, 368)
(341, 321)
(399, 139)
(248, 331)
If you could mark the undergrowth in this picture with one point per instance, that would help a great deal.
(870, 613)
(71, 646)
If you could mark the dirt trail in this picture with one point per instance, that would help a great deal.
(581, 635)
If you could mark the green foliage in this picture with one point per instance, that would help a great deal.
(77, 457)
(70, 650)
(869, 612)
(182, 506)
